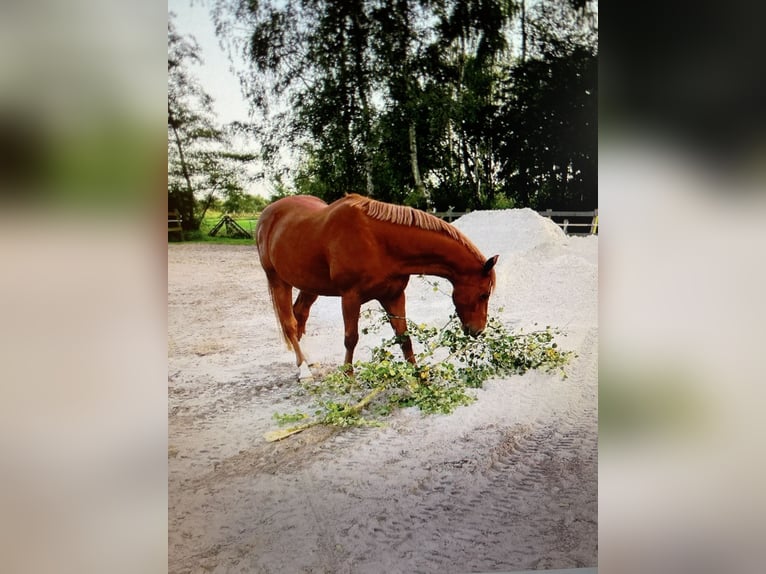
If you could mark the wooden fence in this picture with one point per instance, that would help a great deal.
(574, 228)
(579, 227)
(175, 223)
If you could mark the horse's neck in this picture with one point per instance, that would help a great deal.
(436, 254)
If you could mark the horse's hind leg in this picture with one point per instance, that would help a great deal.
(301, 310)
(281, 293)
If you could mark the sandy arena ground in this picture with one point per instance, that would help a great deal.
(507, 483)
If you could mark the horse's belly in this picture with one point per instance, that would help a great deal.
(310, 274)
(319, 277)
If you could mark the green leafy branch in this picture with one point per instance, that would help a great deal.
(449, 365)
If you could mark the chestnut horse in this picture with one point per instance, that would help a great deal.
(361, 249)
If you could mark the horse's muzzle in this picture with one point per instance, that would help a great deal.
(471, 331)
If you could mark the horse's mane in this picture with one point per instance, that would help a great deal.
(409, 216)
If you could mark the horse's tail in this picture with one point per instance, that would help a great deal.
(261, 240)
(280, 324)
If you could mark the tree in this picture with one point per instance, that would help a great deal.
(399, 46)
(237, 201)
(548, 156)
(425, 102)
(201, 163)
(312, 58)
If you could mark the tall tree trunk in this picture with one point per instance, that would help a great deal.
(477, 171)
(488, 171)
(187, 210)
(366, 143)
(490, 145)
(479, 203)
(362, 89)
(208, 203)
(419, 187)
(523, 30)
(368, 172)
(466, 157)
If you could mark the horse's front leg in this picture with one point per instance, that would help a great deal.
(395, 308)
(351, 307)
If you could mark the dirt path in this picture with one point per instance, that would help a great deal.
(508, 483)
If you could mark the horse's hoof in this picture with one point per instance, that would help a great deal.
(304, 374)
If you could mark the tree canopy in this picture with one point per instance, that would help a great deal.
(203, 165)
(433, 103)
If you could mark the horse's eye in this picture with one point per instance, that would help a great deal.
(484, 296)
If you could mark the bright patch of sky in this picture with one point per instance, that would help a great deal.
(215, 74)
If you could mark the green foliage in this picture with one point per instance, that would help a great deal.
(502, 201)
(203, 165)
(449, 365)
(341, 414)
(549, 156)
(427, 103)
(237, 201)
(289, 418)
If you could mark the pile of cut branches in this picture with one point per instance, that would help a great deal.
(449, 366)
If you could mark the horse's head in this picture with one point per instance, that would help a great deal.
(471, 293)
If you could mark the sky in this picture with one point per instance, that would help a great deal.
(215, 74)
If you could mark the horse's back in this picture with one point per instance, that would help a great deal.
(297, 202)
(291, 207)
(283, 214)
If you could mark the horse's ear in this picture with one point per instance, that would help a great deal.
(490, 263)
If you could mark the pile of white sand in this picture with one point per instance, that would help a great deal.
(509, 230)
